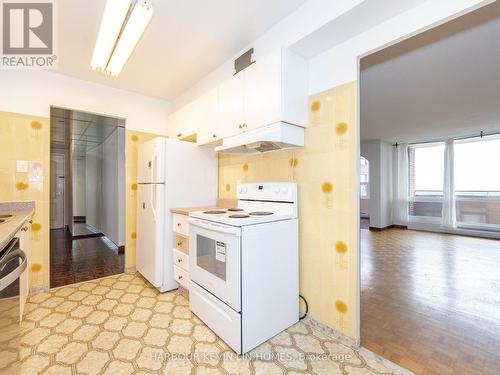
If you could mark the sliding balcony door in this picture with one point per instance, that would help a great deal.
(477, 183)
(426, 170)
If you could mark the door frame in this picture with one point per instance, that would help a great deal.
(122, 180)
(54, 153)
(420, 30)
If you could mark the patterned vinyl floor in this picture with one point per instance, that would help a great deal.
(121, 325)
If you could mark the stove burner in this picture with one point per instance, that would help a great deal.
(261, 213)
(239, 216)
(235, 209)
(213, 212)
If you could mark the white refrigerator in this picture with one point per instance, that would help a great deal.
(170, 174)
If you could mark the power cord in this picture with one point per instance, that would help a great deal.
(307, 307)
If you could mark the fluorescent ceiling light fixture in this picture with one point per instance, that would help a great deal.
(114, 15)
(134, 28)
(130, 31)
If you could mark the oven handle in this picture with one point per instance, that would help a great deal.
(13, 275)
(214, 227)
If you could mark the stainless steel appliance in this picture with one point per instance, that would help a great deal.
(12, 265)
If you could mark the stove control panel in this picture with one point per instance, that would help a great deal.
(268, 191)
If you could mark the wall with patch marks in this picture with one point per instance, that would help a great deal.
(328, 195)
(28, 138)
(132, 141)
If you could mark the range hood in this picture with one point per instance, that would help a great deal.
(275, 137)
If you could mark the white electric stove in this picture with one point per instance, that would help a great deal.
(244, 265)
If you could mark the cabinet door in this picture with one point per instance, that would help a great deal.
(207, 119)
(231, 105)
(263, 91)
(186, 122)
(181, 128)
(172, 125)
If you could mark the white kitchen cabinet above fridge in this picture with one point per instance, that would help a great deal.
(273, 89)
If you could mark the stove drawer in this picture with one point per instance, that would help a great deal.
(181, 260)
(181, 276)
(180, 224)
(219, 317)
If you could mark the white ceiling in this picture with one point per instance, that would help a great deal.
(445, 82)
(359, 19)
(185, 41)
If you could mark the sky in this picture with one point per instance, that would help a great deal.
(477, 166)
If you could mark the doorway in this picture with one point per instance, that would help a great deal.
(429, 126)
(87, 236)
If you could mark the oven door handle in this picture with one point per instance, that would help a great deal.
(214, 227)
(13, 275)
(9, 248)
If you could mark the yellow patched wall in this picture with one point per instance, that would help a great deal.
(325, 171)
(132, 141)
(28, 138)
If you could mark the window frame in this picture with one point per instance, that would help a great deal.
(460, 196)
(422, 198)
(367, 182)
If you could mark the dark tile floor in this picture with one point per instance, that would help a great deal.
(74, 261)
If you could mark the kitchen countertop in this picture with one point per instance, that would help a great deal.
(21, 211)
(221, 203)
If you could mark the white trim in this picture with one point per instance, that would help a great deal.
(479, 226)
(357, 338)
(436, 227)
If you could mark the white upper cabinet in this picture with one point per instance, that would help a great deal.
(232, 105)
(172, 124)
(272, 89)
(207, 118)
(262, 93)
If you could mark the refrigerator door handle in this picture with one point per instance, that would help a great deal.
(153, 167)
(153, 200)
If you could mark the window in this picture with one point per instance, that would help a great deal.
(365, 178)
(477, 182)
(426, 169)
(476, 168)
(476, 177)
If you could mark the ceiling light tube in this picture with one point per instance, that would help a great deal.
(134, 28)
(114, 15)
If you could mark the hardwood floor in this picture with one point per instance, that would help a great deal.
(74, 261)
(431, 302)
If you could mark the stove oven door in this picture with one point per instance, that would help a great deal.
(215, 260)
